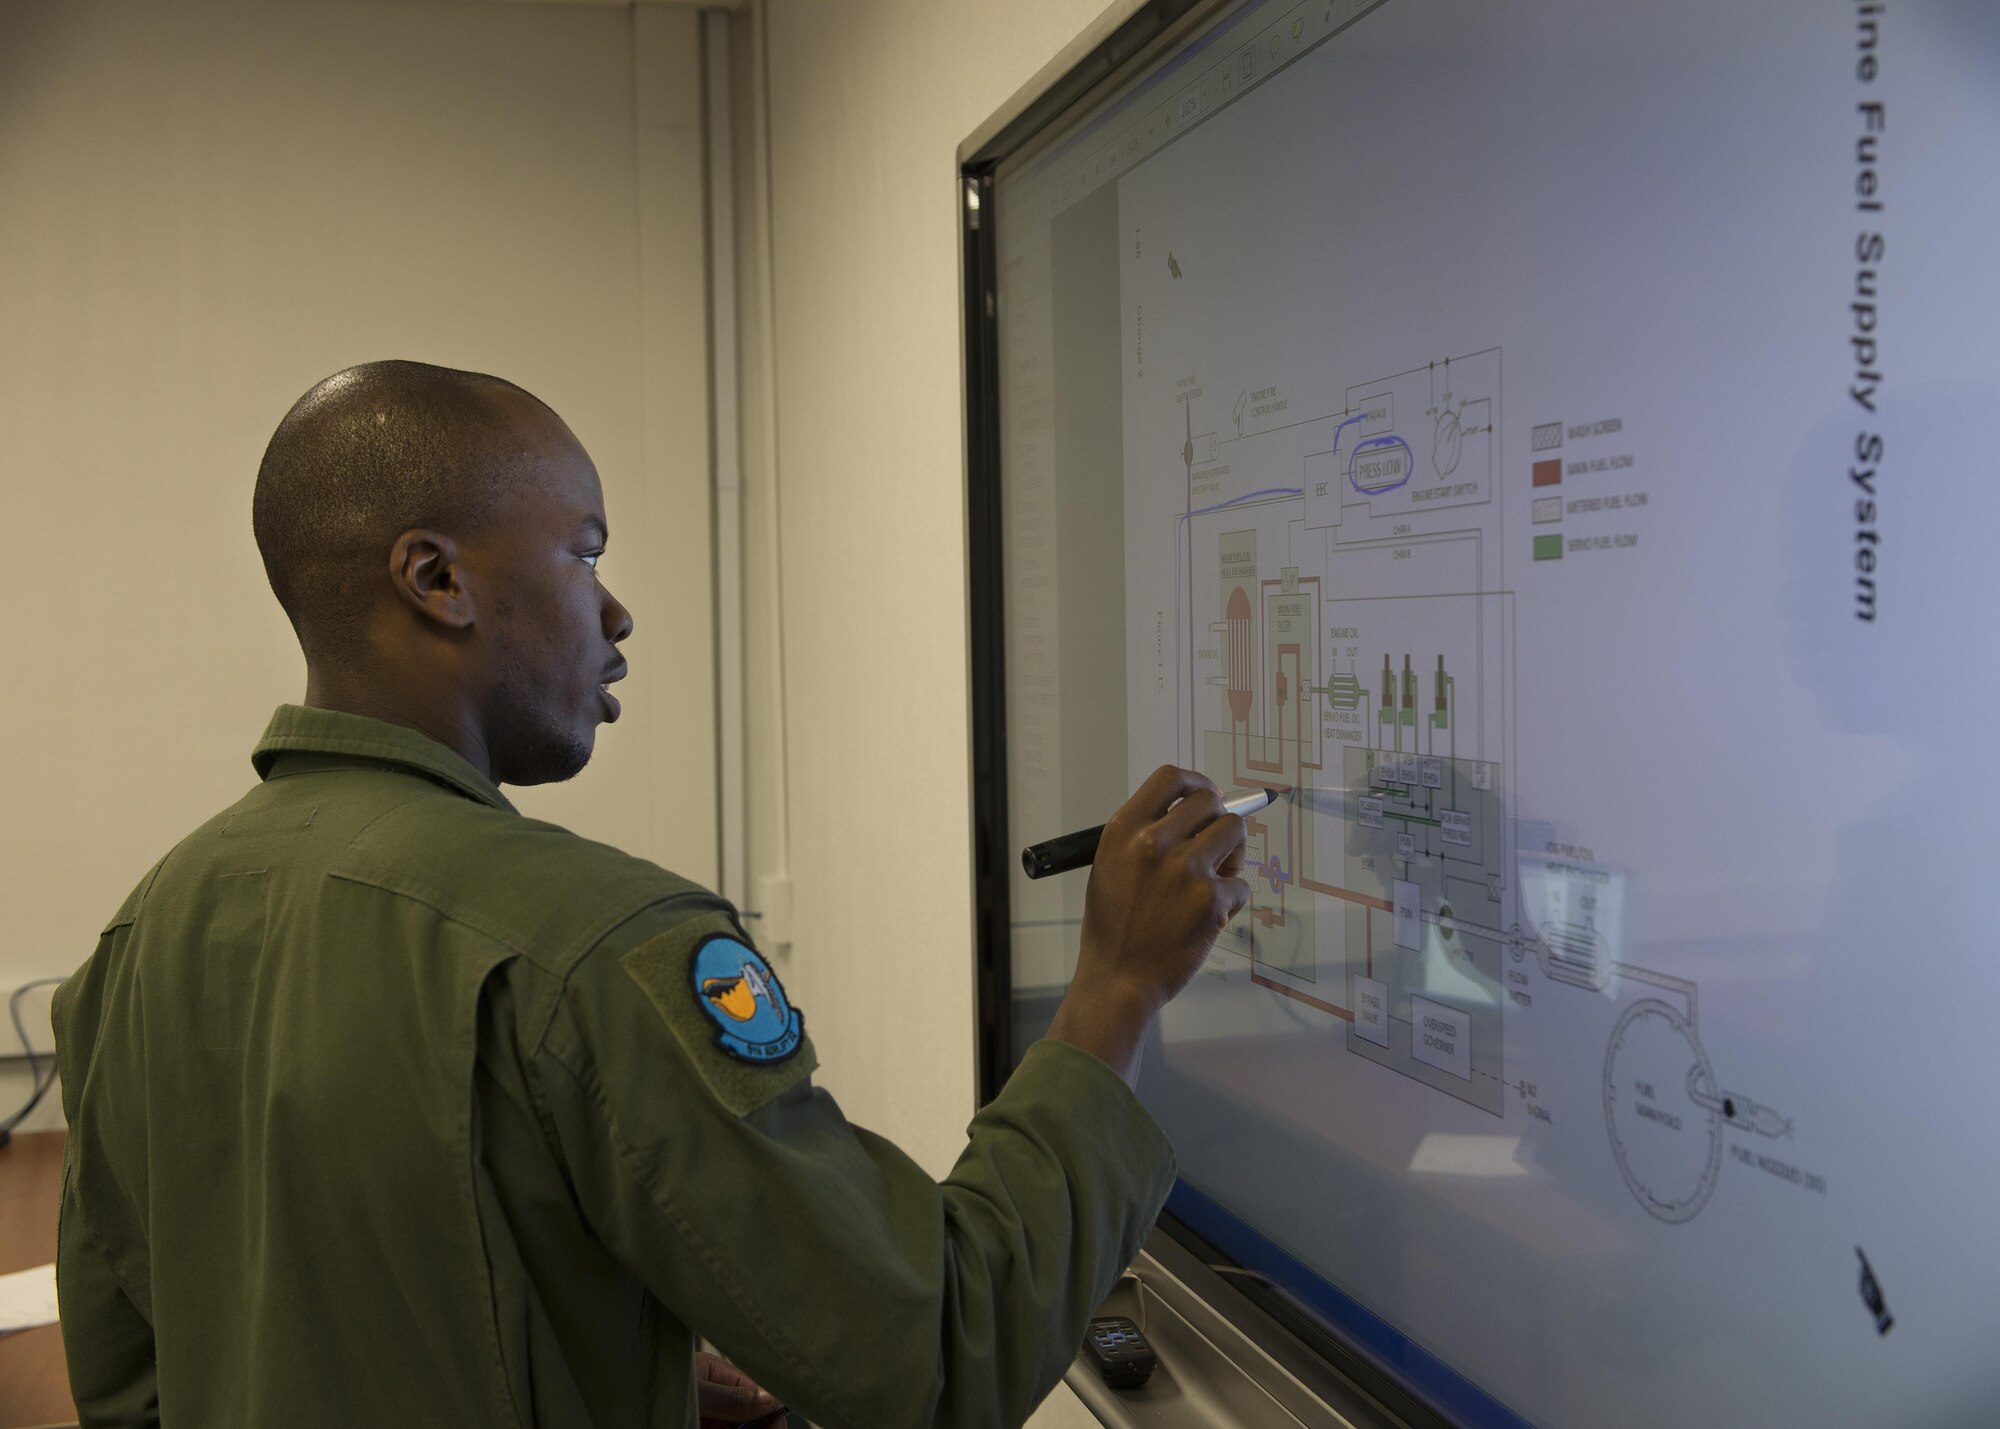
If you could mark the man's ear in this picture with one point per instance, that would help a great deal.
(428, 571)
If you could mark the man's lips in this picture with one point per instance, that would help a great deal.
(611, 705)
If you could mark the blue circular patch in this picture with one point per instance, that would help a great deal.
(736, 988)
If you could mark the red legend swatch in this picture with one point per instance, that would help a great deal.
(1548, 473)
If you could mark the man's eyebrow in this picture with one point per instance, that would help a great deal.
(594, 527)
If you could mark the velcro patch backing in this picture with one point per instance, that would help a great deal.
(726, 1008)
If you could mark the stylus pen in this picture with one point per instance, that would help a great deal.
(1061, 854)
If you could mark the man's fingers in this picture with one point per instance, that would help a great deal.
(732, 1403)
(726, 1394)
(714, 1369)
(1188, 817)
(1223, 838)
(1162, 787)
(1235, 895)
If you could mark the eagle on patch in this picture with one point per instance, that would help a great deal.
(739, 993)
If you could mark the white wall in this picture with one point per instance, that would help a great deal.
(869, 100)
(206, 206)
(209, 205)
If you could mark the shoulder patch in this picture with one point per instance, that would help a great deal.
(733, 984)
(726, 1007)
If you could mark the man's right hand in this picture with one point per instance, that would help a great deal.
(1166, 880)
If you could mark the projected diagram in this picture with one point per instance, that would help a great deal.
(1344, 636)
(1343, 645)
(1662, 1106)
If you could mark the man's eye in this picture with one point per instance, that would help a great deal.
(593, 558)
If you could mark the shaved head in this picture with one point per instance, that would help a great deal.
(367, 454)
(434, 537)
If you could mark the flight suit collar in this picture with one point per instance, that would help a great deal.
(297, 730)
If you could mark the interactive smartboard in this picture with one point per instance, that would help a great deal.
(1557, 445)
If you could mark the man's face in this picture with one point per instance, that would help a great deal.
(553, 627)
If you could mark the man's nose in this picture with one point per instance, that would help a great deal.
(617, 619)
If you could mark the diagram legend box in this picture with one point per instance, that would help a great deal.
(1548, 548)
(1548, 473)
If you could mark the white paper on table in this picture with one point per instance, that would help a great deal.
(28, 1298)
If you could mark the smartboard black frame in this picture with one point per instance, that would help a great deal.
(1103, 63)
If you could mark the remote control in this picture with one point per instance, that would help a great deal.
(1119, 1351)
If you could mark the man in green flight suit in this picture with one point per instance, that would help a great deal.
(390, 1106)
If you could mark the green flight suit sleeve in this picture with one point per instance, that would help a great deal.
(106, 1340)
(816, 1255)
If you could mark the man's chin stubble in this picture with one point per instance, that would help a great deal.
(549, 758)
